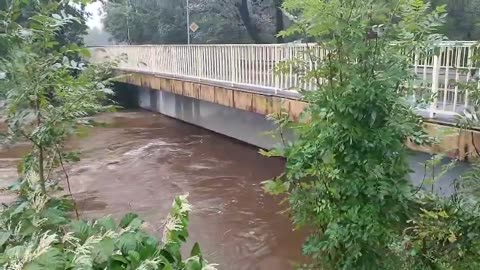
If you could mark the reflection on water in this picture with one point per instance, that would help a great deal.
(141, 160)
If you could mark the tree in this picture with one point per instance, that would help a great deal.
(146, 21)
(346, 177)
(249, 24)
(47, 91)
(71, 32)
(260, 20)
(243, 21)
(279, 21)
(221, 21)
(463, 19)
(48, 96)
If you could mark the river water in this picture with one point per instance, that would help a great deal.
(140, 160)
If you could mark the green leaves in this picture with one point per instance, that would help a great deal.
(98, 244)
(81, 230)
(347, 175)
(4, 236)
(193, 263)
(127, 219)
(105, 224)
(275, 187)
(127, 242)
(49, 90)
(103, 250)
(52, 259)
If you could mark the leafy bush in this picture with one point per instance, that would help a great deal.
(48, 93)
(346, 176)
(443, 233)
(37, 233)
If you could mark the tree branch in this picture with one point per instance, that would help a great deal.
(67, 179)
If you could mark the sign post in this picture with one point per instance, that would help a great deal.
(188, 22)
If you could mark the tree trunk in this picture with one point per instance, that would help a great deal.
(41, 156)
(41, 172)
(279, 24)
(247, 21)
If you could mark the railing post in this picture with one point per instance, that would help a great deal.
(200, 61)
(435, 76)
(232, 65)
(469, 66)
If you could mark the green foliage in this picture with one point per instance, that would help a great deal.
(38, 234)
(470, 118)
(220, 21)
(70, 32)
(146, 21)
(236, 21)
(443, 234)
(48, 93)
(462, 20)
(247, 21)
(347, 176)
(47, 90)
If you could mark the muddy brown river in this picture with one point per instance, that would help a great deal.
(140, 161)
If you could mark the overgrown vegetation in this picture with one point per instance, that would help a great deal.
(37, 233)
(347, 175)
(220, 21)
(71, 32)
(48, 92)
(241, 21)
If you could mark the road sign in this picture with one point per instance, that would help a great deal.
(194, 27)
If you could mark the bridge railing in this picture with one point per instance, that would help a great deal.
(254, 65)
(247, 64)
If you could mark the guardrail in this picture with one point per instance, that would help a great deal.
(254, 65)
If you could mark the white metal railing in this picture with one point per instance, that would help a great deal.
(254, 65)
(247, 64)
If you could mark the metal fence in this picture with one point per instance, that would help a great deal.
(254, 65)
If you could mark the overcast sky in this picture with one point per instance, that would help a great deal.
(95, 20)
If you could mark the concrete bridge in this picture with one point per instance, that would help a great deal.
(231, 88)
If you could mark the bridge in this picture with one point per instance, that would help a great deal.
(230, 88)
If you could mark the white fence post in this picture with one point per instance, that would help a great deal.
(232, 65)
(435, 81)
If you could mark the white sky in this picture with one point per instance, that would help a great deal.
(96, 11)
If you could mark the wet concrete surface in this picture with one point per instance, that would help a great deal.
(139, 161)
